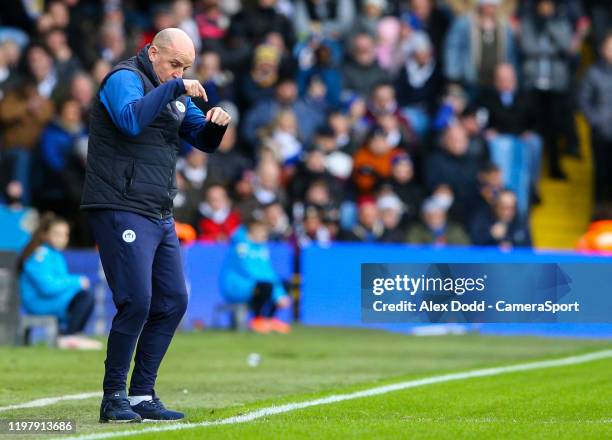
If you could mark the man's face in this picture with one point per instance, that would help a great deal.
(318, 195)
(384, 99)
(71, 113)
(363, 50)
(489, 11)
(326, 143)
(171, 62)
(209, 65)
(606, 50)
(435, 219)
(56, 40)
(39, 62)
(421, 8)
(423, 56)
(273, 214)
(269, 176)
(378, 144)
(312, 222)
(456, 140)
(368, 214)
(217, 198)
(82, 90)
(505, 208)
(59, 13)
(315, 161)
(340, 123)
(196, 159)
(546, 8)
(286, 92)
(505, 79)
(470, 124)
(403, 171)
(267, 3)
(390, 217)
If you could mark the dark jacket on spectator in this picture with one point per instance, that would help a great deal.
(251, 25)
(596, 99)
(436, 25)
(361, 79)
(546, 46)
(227, 167)
(460, 174)
(411, 194)
(480, 230)
(515, 118)
(305, 177)
(395, 235)
(64, 170)
(424, 96)
(453, 234)
(360, 233)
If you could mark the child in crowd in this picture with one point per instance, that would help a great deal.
(373, 162)
(47, 288)
(247, 276)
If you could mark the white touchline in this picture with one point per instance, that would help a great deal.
(50, 401)
(272, 410)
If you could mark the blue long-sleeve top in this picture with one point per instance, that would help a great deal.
(131, 110)
(47, 288)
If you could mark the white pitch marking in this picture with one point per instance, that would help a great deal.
(50, 401)
(272, 410)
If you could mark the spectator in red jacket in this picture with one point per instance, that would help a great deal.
(216, 219)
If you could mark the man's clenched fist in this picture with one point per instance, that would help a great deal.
(195, 89)
(218, 116)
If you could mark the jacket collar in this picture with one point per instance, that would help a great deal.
(144, 64)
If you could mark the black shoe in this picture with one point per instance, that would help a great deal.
(154, 409)
(115, 408)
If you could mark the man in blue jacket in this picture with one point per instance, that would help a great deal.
(138, 119)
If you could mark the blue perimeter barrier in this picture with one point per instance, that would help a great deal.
(330, 292)
(202, 264)
(331, 286)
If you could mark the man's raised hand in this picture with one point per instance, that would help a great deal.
(218, 116)
(195, 89)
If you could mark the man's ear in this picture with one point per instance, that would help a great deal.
(153, 52)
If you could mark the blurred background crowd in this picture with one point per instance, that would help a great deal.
(400, 121)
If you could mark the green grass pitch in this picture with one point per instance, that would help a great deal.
(207, 376)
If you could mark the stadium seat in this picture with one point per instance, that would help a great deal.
(239, 313)
(28, 322)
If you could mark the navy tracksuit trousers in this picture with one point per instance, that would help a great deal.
(142, 260)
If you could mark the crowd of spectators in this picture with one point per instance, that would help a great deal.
(395, 121)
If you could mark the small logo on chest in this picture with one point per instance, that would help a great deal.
(180, 106)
